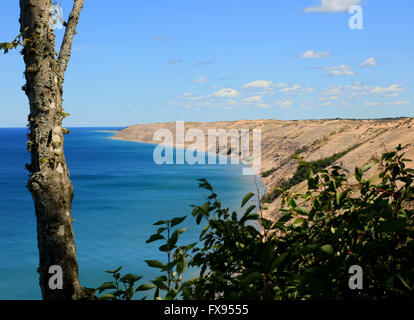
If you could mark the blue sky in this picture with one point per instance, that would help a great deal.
(136, 61)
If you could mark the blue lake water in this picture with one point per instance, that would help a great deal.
(119, 193)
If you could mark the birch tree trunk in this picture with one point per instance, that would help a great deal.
(49, 182)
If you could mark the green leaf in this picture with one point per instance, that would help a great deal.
(328, 249)
(145, 287)
(180, 231)
(403, 282)
(358, 174)
(298, 221)
(246, 198)
(114, 271)
(251, 277)
(106, 286)
(130, 278)
(172, 241)
(171, 294)
(367, 167)
(161, 230)
(160, 285)
(160, 222)
(293, 203)
(249, 209)
(177, 221)
(302, 210)
(392, 225)
(155, 237)
(205, 207)
(108, 296)
(339, 196)
(190, 246)
(155, 264)
(279, 259)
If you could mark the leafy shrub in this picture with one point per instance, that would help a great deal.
(307, 253)
(302, 172)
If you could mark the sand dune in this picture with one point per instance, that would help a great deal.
(316, 139)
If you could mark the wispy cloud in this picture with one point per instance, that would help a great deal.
(370, 62)
(332, 6)
(398, 103)
(253, 99)
(311, 54)
(296, 89)
(328, 98)
(161, 38)
(284, 103)
(337, 71)
(259, 84)
(371, 104)
(323, 104)
(387, 90)
(199, 80)
(389, 103)
(203, 63)
(174, 61)
(226, 93)
(357, 89)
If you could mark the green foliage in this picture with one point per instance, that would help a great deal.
(302, 173)
(121, 287)
(267, 173)
(18, 41)
(298, 151)
(307, 253)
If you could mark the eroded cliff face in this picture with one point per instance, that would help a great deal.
(311, 139)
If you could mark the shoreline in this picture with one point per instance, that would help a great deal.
(280, 140)
(260, 182)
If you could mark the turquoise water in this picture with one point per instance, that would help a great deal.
(119, 193)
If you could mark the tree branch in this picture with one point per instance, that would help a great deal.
(66, 47)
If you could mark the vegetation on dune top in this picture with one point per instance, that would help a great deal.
(302, 172)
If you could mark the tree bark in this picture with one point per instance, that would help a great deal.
(49, 181)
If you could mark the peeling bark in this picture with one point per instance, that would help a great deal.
(49, 182)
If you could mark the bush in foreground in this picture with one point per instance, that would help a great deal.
(306, 254)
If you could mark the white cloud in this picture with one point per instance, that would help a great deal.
(280, 85)
(333, 6)
(393, 103)
(311, 54)
(390, 89)
(342, 70)
(195, 98)
(297, 89)
(185, 94)
(263, 105)
(357, 90)
(284, 103)
(328, 103)
(398, 103)
(370, 62)
(371, 104)
(328, 98)
(200, 80)
(259, 84)
(253, 99)
(226, 93)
